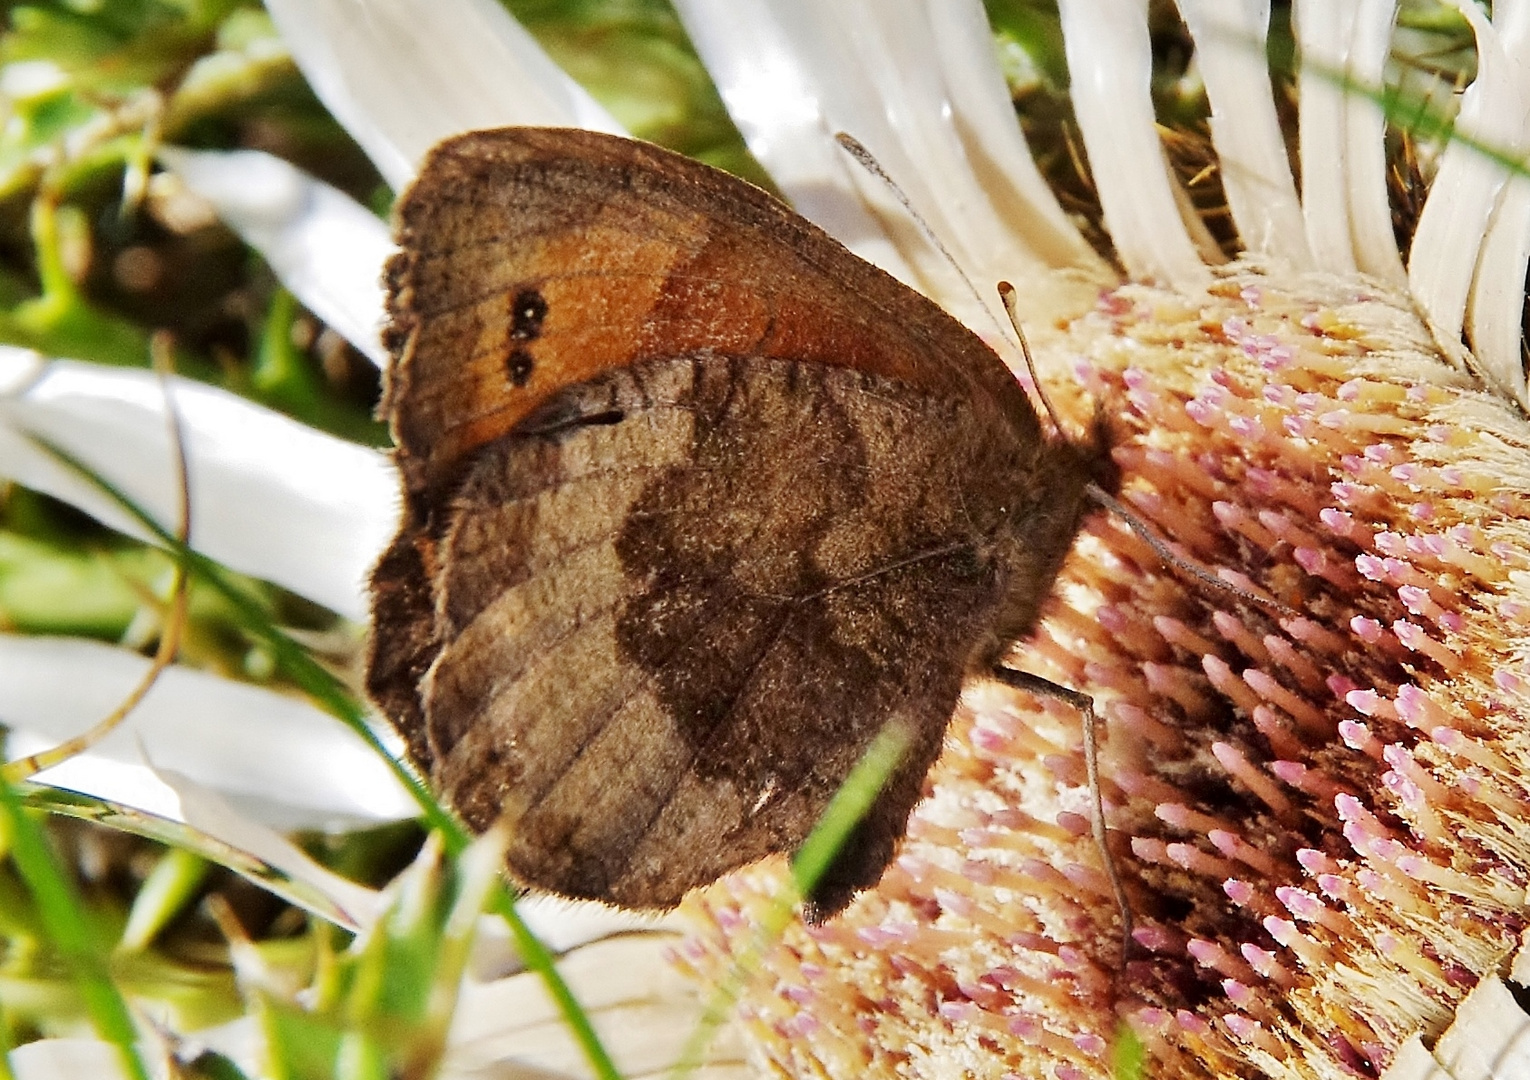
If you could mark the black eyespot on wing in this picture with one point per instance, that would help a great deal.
(527, 311)
(520, 367)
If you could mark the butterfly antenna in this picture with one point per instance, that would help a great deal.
(1007, 295)
(1193, 570)
(865, 160)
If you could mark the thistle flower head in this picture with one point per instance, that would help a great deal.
(1315, 814)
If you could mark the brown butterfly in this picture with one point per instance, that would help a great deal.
(695, 502)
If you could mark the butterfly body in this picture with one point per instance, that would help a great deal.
(695, 503)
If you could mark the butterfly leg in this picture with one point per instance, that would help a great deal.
(1035, 684)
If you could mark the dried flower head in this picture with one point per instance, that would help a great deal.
(1318, 817)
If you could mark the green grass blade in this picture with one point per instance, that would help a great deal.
(537, 957)
(5, 1046)
(59, 907)
(850, 804)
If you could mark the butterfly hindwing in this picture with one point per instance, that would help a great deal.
(707, 609)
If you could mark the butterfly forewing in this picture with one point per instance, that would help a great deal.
(533, 259)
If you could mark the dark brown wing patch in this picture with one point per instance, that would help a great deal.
(665, 640)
